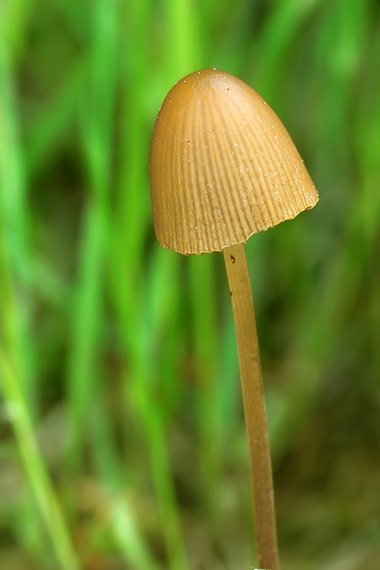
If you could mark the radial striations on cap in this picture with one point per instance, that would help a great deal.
(222, 166)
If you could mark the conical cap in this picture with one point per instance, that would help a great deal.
(222, 166)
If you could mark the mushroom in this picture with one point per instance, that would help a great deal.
(223, 167)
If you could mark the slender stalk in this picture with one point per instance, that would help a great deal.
(254, 406)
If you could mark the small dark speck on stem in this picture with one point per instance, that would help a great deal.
(232, 258)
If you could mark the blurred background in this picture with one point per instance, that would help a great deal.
(122, 438)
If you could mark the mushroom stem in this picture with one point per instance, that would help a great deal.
(254, 406)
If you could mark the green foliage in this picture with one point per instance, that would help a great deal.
(122, 435)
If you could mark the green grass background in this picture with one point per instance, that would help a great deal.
(122, 442)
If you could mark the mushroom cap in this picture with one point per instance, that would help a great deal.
(222, 166)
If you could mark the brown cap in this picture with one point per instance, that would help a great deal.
(222, 166)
